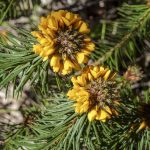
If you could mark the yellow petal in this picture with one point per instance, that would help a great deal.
(68, 64)
(90, 77)
(56, 69)
(61, 23)
(43, 41)
(64, 72)
(78, 108)
(94, 73)
(142, 126)
(67, 23)
(62, 12)
(59, 14)
(104, 120)
(86, 52)
(84, 107)
(41, 54)
(52, 23)
(87, 39)
(50, 51)
(78, 24)
(55, 61)
(106, 76)
(43, 21)
(85, 59)
(92, 115)
(72, 17)
(90, 46)
(43, 29)
(108, 110)
(96, 68)
(74, 80)
(98, 115)
(80, 57)
(82, 93)
(103, 71)
(50, 32)
(103, 115)
(81, 80)
(84, 28)
(37, 48)
(72, 94)
(36, 34)
(45, 58)
(49, 47)
(81, 99)
(69, 16)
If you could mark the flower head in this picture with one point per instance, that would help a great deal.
(95, 92)
(63, 40)
(133, 74)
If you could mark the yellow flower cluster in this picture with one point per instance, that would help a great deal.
(90, 92)
(62, 39)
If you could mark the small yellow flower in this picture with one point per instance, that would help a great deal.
(95, 93)
(63, 40)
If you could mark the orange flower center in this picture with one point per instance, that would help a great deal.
(69, 42)
(102, 92)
